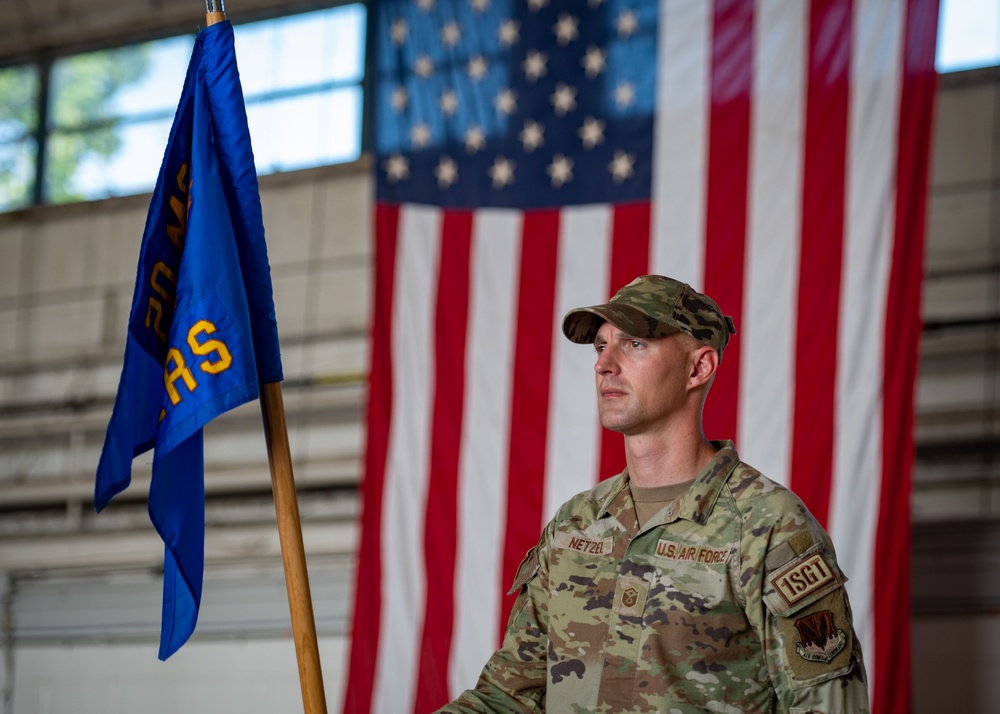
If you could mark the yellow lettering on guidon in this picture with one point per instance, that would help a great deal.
(154, 316)
(166, 292)
(206, 348)
(179, 206)
(175, 368)
(154, 313)
(180, 371)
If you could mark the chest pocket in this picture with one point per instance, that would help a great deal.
(582, 565)
(693, 577)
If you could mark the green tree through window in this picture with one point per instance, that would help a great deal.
(18, 120)
(85, 121)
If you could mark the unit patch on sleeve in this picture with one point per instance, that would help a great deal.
(819, 639)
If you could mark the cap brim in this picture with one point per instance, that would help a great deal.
(581, 325)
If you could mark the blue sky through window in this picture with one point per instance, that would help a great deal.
(968, 34)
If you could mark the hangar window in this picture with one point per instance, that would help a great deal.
(18, 123)
(106, 114)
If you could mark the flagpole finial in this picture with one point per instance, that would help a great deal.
(215, 11)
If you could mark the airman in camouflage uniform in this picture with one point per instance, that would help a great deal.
(728, 599)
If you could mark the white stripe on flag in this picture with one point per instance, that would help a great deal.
(875, 93)
(574, 443)
(774, 221)
(403, 580)
(485, 442)
(681, 139)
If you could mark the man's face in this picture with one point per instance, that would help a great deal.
(641, 383)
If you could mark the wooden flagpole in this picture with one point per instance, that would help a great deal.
(292, 550)
(286, 505)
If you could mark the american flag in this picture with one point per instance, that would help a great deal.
(533, 156)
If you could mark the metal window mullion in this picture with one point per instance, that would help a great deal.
(41, 130)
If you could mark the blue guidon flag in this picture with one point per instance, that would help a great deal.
(202, 332)
(533, 156)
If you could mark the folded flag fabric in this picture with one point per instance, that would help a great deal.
(202, 332)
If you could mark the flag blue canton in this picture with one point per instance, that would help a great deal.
(515, 103)
(202, 332)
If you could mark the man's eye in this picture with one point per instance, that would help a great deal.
(635, 343)
(599, 348)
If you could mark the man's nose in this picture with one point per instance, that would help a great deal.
(607, 360)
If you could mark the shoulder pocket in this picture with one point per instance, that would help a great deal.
(807, 598)
(525, 571)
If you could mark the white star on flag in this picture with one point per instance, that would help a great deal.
(509, 33)
(420, 135)
(561, 170)
(398, 31)
(563, 99)
(592, 132)
(566, 29)
(474, 139)
(399, 98)
(506, 101)
(502, 172)
(476, 68)
(534, 65)
(450, 34)
(627, 23)
(424, 67)
(448, 103)
(621, 166)
(397, 168)
(531, 135)
(594, 62)
(446, 172)
(624, 94)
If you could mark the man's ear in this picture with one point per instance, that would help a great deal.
(704, 362)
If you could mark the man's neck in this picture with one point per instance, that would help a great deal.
(664, 459)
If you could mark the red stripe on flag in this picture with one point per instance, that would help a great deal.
(726, 201)
(441, 516)
(891, 692)
(630, 233)
(530, 385)
(368, 580)
(823, 221)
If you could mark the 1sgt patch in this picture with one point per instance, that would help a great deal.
(802, 578)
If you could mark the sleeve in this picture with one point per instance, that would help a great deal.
(513, 679)
(813, 654)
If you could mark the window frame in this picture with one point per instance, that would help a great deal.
(45, 60)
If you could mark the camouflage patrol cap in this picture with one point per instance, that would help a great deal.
(654, 306)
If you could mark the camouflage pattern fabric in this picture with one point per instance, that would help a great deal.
(654, 306)
(729, 600)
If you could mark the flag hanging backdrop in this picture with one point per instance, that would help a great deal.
(202, 330)
(533, 157)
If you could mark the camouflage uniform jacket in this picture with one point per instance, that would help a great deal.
(729, 600)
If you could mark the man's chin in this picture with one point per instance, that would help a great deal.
(612, 424)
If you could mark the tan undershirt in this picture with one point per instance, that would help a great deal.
(650, 500)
